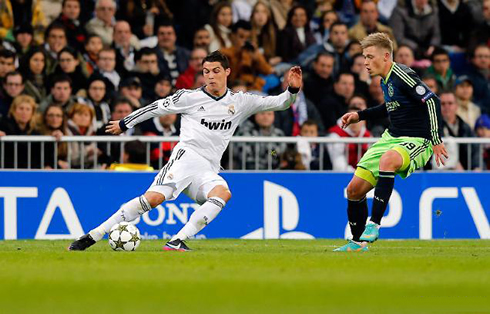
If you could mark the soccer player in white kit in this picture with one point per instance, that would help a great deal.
(210, 116)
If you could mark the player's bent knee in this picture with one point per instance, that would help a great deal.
(154, 198)
(222, 192)
(390, 161)
(354, 192)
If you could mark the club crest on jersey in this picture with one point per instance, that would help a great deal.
(216, 125)
(231, 109)
(391, 92)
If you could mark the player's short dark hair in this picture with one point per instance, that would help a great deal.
(13, 73)
(136, 151)
(61, 78)
(145, 51)
(246, 25)
(310, 122)
(7, 54)
(438, 51)
(323, 54)
(338, 23)
(217, 56)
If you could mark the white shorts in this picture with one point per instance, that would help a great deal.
(188, 172)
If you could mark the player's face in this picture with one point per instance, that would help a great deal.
(375, 60)
(215, 77)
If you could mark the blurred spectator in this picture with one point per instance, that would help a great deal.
(334, 105)
(264, 34)
(161, 126)
(106, 65)
(202, 39)
(18, 12)
(431, 82)
(441, 69)
(260, 156)
(219, 26)
(336, 45)
(61, 94)
(69, 65)
(280, 10)
(187, 78)
(310, 152)
(20, 121)
(456, 23)
(7, 62)
(348, 10)
(319, 82)
(142, 14)
(55, 42)
(172, 59)
(54, 123)
(479, 73)
(467, 110)
(80, 124)
(147, 71)
(296, 36)
(33, 68)
(454, 126)
(246, 62)
(24, 40)
(111, 152)
(416, 24)
(291, 159)
(133, 159)
(290, 120)
(361, 75)
(482, 129)
(323, 33)
(163, 86)
(126, 45)
(345, 157)
(481, 33)
(93, 46)
(97, 99)
(242, 9)
(368, 23)
(404, 55)
(103, 22)
(131, 89)
(69, 18)
(13, 86)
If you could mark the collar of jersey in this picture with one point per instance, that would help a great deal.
(389, 73)
(215, 98)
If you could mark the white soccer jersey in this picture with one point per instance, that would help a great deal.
(209, 122)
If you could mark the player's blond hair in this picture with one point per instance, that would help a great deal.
(380, 40)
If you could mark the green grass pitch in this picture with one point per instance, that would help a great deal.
(245, 276)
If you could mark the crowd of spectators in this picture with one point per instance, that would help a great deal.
(69, 66)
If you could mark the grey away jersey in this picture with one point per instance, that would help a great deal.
(209, 122)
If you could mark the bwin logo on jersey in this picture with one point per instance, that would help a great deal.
(216, 125)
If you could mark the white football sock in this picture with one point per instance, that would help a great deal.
(201, 218)
(128, 212)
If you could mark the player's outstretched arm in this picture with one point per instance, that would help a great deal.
(113, 128)
(440, 152)
(349, 118)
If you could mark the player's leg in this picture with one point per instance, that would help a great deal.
(357, 212)
(213, 196)
(391, 161)
(128, 212)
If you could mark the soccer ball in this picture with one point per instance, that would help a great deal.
(124, 237)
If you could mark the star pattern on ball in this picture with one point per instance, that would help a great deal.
(119, 244)
(123, 228)
(134, 238)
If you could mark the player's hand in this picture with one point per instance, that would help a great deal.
(113, 128)
(295, 77)
(440, 152)
(349, 118)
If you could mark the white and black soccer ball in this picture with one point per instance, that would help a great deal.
(124, 237)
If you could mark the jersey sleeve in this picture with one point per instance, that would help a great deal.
(418, 91)
(176, 103)
(257, 103)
